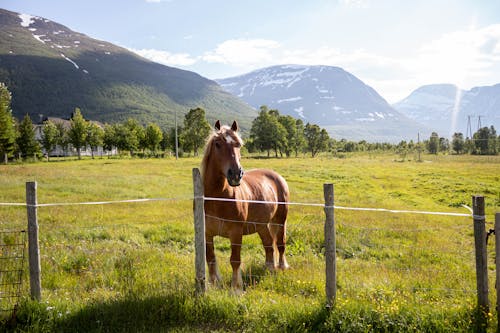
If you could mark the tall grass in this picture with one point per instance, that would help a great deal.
(129, 266)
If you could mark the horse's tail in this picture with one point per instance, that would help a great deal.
(278, 227)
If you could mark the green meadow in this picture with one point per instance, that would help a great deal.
(129, 267)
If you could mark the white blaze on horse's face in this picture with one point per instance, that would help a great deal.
(228, 145)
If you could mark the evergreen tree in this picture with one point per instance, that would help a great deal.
(50, 137)
(77, 133)
(7, 125)
(27, 144)
(196, 130)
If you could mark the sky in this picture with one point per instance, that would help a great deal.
(395, 46)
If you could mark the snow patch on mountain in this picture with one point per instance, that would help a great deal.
(27, 20)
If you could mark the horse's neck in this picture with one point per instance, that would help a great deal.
(216, 185)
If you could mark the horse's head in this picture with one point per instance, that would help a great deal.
(225, 146)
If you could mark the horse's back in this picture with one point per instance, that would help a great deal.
(267, 185)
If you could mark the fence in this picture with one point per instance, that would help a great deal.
(12, 259)
(330, 239)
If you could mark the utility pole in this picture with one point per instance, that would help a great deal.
(479, 123)
(176, 140)
(469, 127)
(418, 147)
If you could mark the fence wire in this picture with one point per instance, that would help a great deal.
(12, 263)
(356, 251)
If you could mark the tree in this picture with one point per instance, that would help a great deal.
(433, 144)
(317, 139)
(300, 140)
(153, 137)
(62, 137)
(196, 130)
(7, 125)
(95, 137)
(109, 139)
(485, 141)
(289, 125)
(458, 143)
(444, 145)
(26, 141)
(267, 133)
(260, 132)
(50, 137)
(77, 133)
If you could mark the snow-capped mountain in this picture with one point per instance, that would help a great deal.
(51, 70)
(446, 108)
(328, 96)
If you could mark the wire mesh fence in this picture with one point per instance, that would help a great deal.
(12, 263)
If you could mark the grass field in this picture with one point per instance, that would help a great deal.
(130, 267)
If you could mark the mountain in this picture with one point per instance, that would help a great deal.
(328, 96)
(446, 108)
(51, 69)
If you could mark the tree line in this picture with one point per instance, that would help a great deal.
(271, 133)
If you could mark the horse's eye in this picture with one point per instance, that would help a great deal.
(237, 145)
(217, 145)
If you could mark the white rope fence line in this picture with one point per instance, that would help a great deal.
(394, 211)
(94, 202)
(345, 208)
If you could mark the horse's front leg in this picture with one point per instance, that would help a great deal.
(268, 243)
(213, 270)
(236, 238)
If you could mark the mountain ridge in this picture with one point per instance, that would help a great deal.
(51, 69)
(326, 95)
(447, 109)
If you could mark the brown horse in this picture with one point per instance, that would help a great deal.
(223, 178)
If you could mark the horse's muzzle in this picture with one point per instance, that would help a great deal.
(234, 176)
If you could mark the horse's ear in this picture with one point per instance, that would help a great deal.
(234, 127)
(217, 125)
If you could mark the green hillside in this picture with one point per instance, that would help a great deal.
(50, 70)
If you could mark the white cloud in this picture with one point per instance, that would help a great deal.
(458, 57)
(166, 58)
(465, 58)
(243, 52)
(355, 3)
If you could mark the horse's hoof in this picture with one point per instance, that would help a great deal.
(284, 267)
(270, 266)
(237, 291)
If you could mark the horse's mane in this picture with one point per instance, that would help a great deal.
(224, 132)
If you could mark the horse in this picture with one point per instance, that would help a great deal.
(240, 203)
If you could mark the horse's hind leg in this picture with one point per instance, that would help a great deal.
(268, 243)
(280, 232)
(213, 270)
(236, 238)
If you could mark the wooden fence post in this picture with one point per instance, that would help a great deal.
(33, 249)
(497, 266)
(199, 232)
(330, 247)
(481, 258)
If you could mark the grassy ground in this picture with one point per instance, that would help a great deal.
(129, 267)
